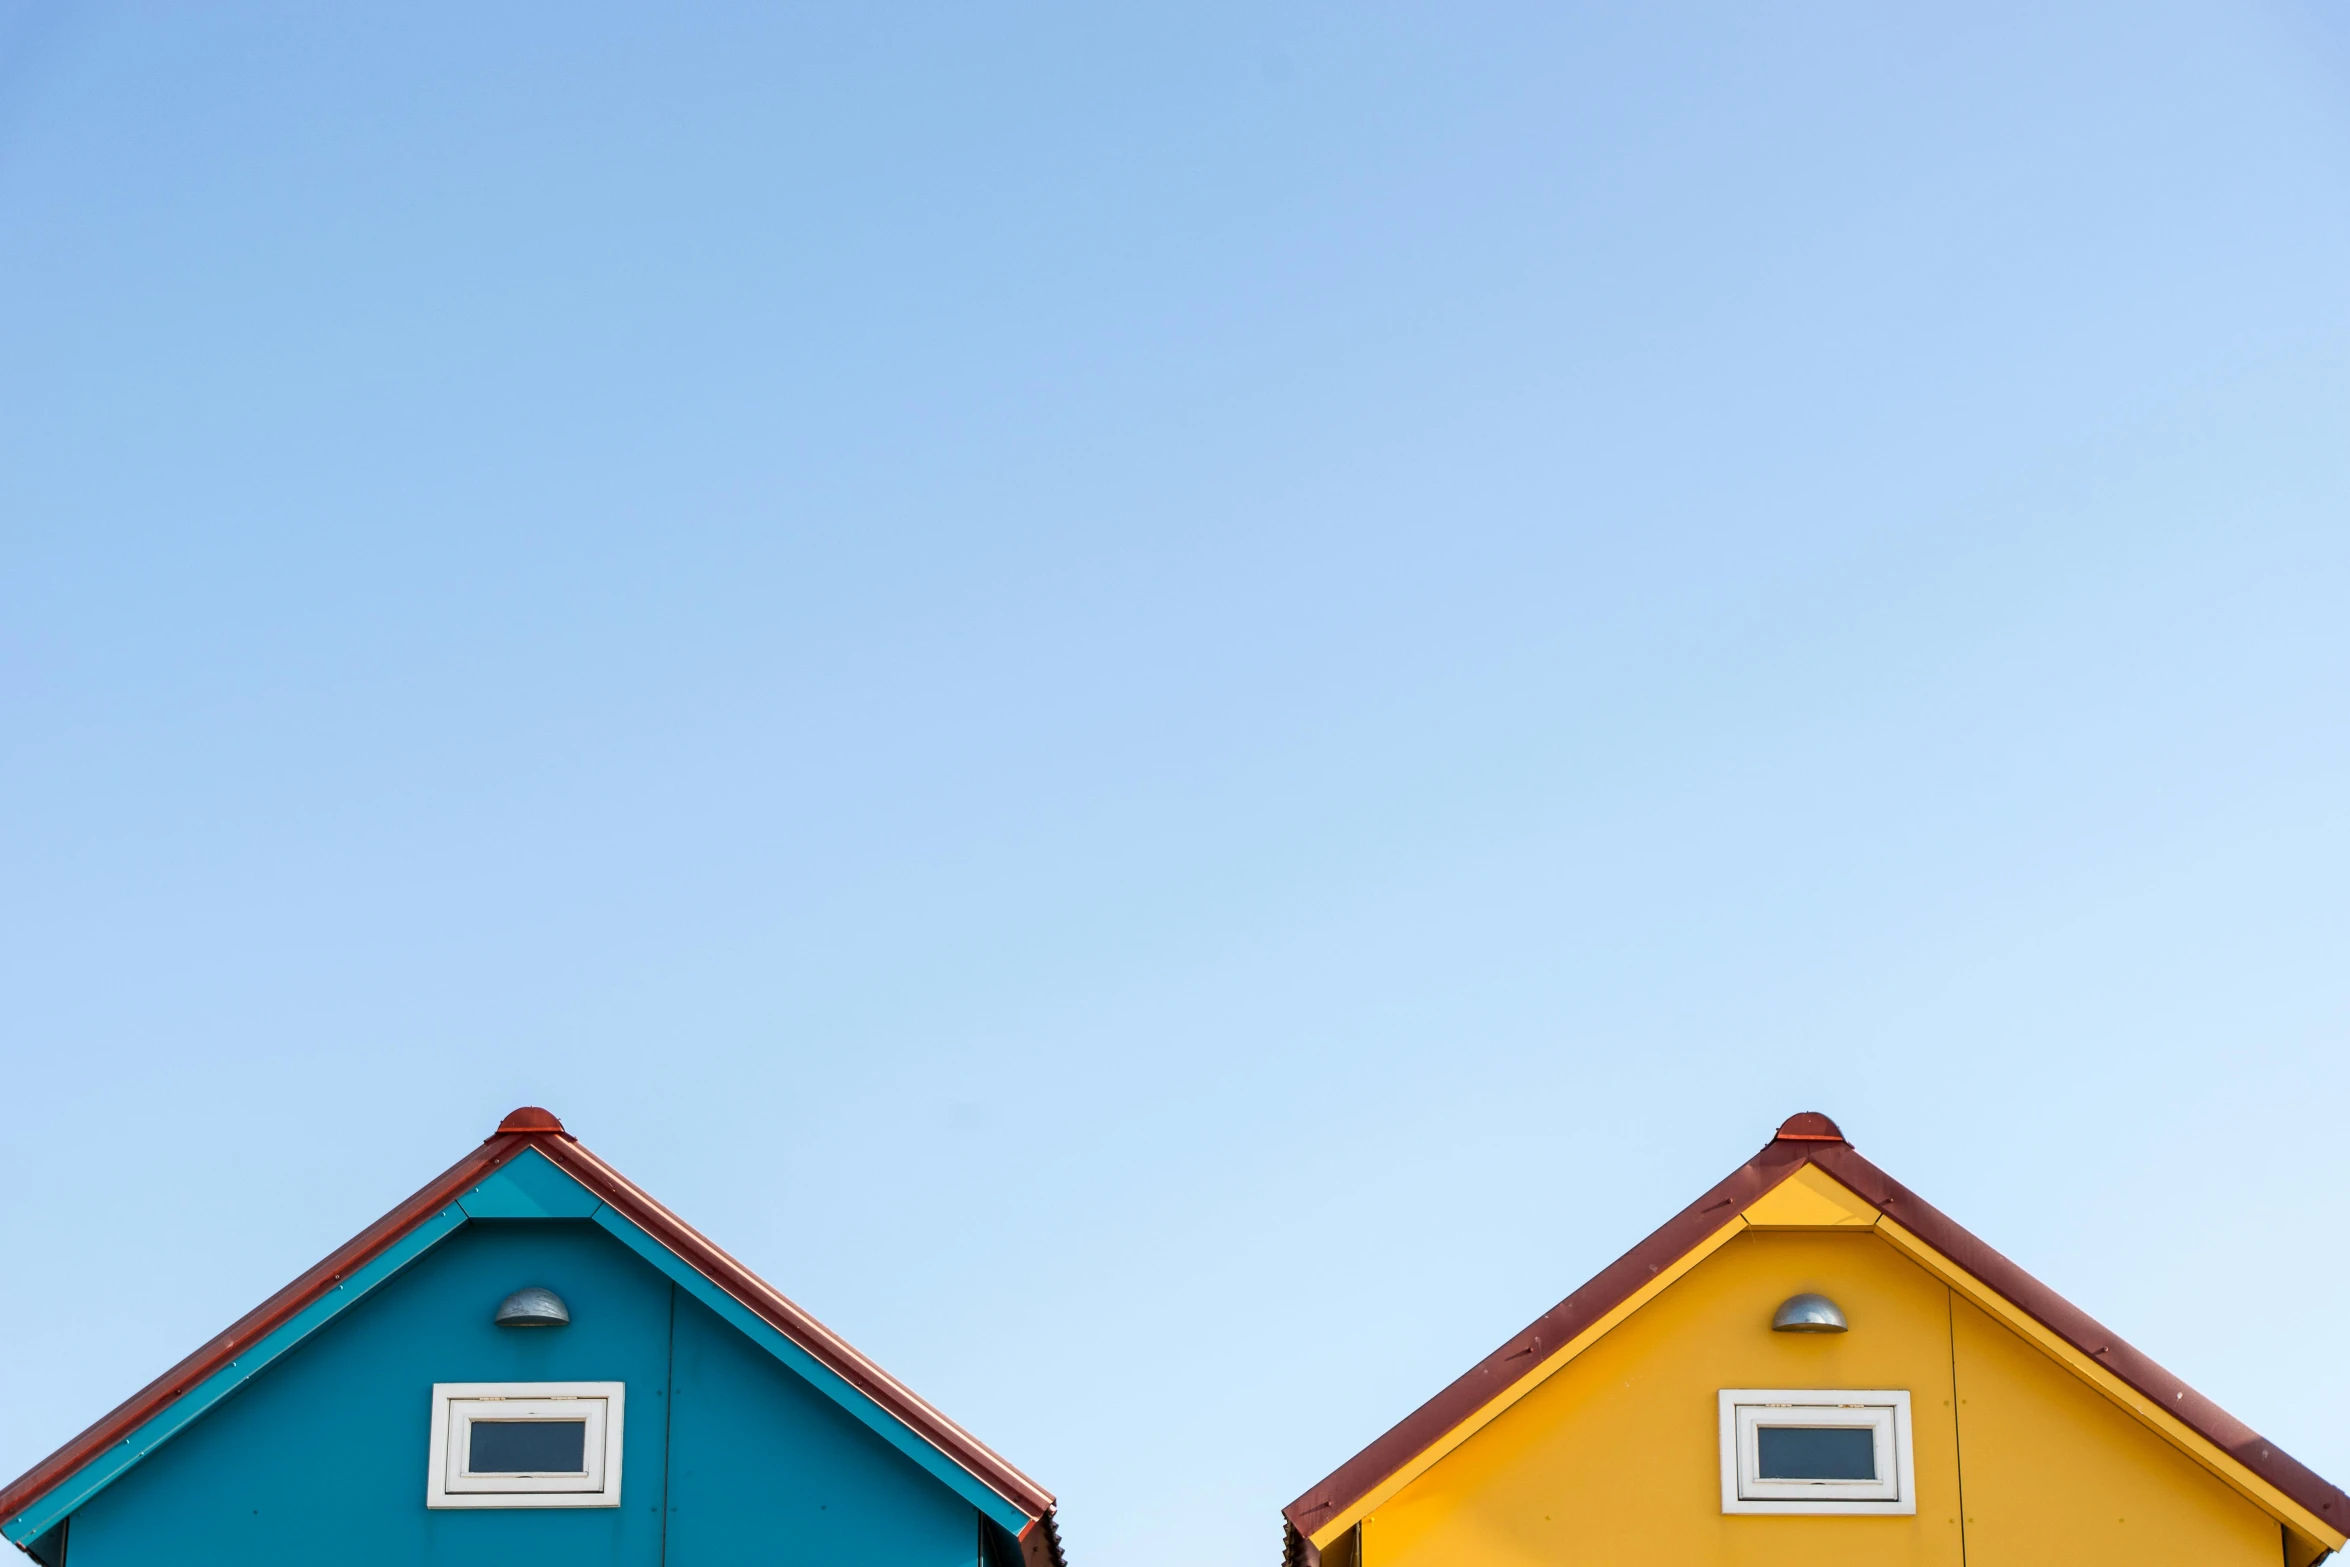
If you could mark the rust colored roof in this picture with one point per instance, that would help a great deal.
(532, 1127)
(1809, 1138)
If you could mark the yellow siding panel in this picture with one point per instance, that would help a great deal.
(1615, 1459)
(2054, 1472)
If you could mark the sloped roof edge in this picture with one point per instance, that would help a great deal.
(526, 1129)
(1804, 1139)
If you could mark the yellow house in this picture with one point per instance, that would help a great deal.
(1811, 1365)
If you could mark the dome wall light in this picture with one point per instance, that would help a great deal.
(1809, 1314)
(536, 1306)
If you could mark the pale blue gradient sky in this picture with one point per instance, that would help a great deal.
(1177, 706)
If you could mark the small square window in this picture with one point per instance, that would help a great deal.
(1816, 1450)
(525, 1444)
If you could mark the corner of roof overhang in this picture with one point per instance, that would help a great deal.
(1040, 1542)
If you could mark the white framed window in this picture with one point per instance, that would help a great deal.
(525, 1444)
(1816, 1450)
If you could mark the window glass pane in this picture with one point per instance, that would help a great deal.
(535, 1447)
(1816, 1452)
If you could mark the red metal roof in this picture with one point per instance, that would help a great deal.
(1809, 1138)
(531, 1127)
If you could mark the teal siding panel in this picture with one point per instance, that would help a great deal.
(322, 1459)
(765, 1468)
(529, 1186)
(102, 1471)
(817, 1374)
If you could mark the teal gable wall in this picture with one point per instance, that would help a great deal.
(321, 1457)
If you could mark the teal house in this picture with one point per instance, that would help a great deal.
(530, 1361)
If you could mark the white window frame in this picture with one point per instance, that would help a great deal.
(1884, 1411)
(456, 1405)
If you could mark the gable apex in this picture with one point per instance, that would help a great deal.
(1810, 1199)
(529, 1186)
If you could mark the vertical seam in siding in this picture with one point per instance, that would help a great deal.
(669, 1420)
(1957, 1431)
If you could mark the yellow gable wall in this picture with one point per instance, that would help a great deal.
(1617, 1457)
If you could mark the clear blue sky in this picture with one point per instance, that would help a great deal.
(1177, 706)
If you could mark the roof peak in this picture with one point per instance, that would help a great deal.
(1805, 1126)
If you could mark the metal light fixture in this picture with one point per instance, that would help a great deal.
(1808, 1314)
(539, 1307)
